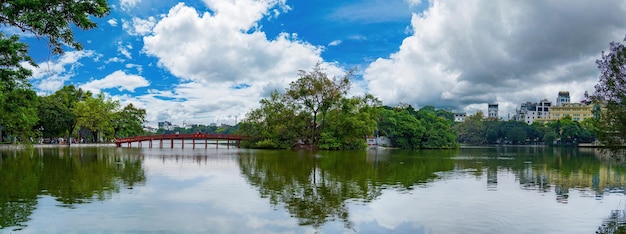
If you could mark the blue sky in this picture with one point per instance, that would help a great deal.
(211, 61)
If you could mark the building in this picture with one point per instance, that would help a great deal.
(492, 111)
(165, 125)
(562, 98)
(578, 111)
(460, 117)
(530, 112)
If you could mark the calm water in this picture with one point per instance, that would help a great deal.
(476, 190)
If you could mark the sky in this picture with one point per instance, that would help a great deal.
(212, 61)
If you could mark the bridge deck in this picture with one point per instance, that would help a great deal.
(182, 137)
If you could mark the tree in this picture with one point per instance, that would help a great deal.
(350, 123)
(317, 93)
(18, 112)
(129, 121)
(472, 130)
(611, 89)
(54, 118)
(54, 20)
(402, 128)
(276, 124)
(97, 115)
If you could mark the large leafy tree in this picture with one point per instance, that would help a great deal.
(611, 89)
(53, 20)
(129, 121)
(97, 115)
(402, 128)
(18, 112)
(317, 94)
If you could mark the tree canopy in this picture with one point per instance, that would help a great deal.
(314, 112)
(54, 20)
(611, 90)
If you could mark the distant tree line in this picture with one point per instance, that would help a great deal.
(69, 112)
(477, 130)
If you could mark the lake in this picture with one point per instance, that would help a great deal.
(469, 190)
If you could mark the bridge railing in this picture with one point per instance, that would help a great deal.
(180, 136)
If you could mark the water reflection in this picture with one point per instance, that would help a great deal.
(72, 176)
(315, 187)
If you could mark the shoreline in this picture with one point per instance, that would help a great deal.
(25, 146)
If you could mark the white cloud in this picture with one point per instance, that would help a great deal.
(112, 22)
(334, 43)
(124, 49)
(114, 60)
(50, 76)
(138, 27)
(128, 4)
(117, 79)
(469, 53)
(214, 53)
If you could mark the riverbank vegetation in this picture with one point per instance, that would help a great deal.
(70, 112)
(477, 130)
(315, 113)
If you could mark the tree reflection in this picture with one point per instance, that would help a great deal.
(547, 169)
(72, 176)
(614, 224)
(316, 187)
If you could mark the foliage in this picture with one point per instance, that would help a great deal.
(18, 112)
(409, 129)
(54, 20)
(54, 118)
(97, 114)
(313, 112)
(316, 93)
(129, 121)
(473, 130)
(477, 131)
(611, 89)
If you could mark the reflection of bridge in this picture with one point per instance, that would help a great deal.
(195, 138)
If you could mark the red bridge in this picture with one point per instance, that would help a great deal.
(195, 138)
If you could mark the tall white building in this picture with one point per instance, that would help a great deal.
(528, 111)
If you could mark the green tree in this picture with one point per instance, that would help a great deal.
(350, 123)
(18, 112)
(55, 118)
(129, 121)
(54, 20)
(275, 124)
(473, 130)
(317, 94)
(402, 128)
(438, 133)
(97, 115)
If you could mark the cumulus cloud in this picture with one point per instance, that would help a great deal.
(117, 79)
(128, 4)
(224, 63)
(50, 76)
(467, 53)
(137, 26)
